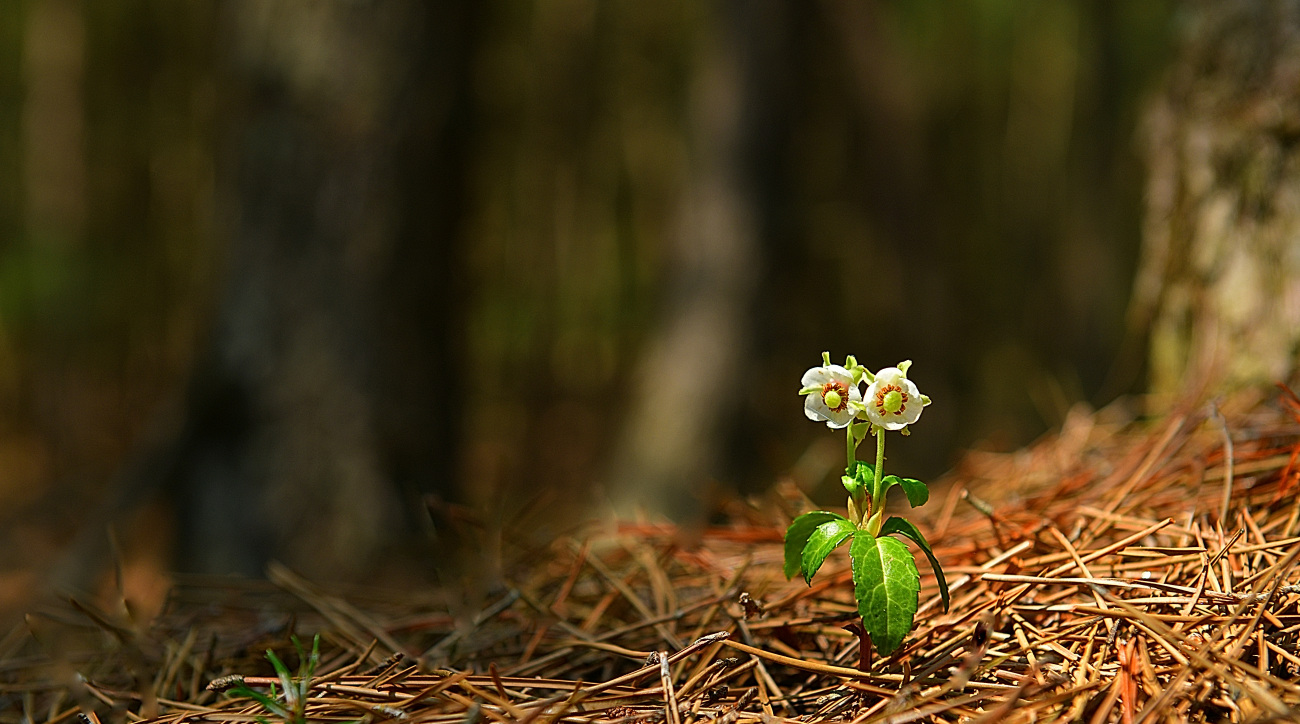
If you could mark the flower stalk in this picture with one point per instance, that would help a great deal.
(873, 525)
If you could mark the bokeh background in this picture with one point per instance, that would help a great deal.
(352, 284)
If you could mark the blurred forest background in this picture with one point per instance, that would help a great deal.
(311, 280)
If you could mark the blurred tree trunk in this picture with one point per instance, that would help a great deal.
(321, 412)
(690, 390)
(1219, 281)
(325, 407)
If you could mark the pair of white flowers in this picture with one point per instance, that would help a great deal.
(832, 395)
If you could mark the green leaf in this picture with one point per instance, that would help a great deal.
(267, 702)
(863, 471)
(859, 476)
(887, 585)
(917, 492)
(904, 527)
(281, 671)
(796, 537)
(826, 538)
(851, 485)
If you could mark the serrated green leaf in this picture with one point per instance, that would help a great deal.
(905, 527)
(886, 585)
(916, 491)
(796, 538)
(826, 538)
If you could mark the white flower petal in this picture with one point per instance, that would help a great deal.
(815, 407)
(839, 420)
(821, 375)
(815, 376)
(892, 377)
(811, 411)
(912, 412)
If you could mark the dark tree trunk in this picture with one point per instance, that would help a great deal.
(690, 393)
(326, 407)
(1219, 282)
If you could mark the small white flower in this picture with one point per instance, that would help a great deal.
(892, 400)
(830, 395)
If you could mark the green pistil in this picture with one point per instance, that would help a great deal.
(893, 402)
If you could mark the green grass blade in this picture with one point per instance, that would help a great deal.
(282, 672)
(268, 703)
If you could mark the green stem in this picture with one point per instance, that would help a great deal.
(858, 498)
(877, 500)
(880, 461)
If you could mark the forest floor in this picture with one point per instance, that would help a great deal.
(1118, 570)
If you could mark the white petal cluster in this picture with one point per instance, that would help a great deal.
(891, 401)
(830, 394)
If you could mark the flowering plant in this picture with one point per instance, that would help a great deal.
(886, 582)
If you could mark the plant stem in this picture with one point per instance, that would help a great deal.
(880, 460)
(858, 509)
(877, 499)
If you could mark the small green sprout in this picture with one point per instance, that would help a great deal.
(293, 708)
(886, 582)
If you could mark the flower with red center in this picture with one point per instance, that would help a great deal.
(893, 402)
(830, 395)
